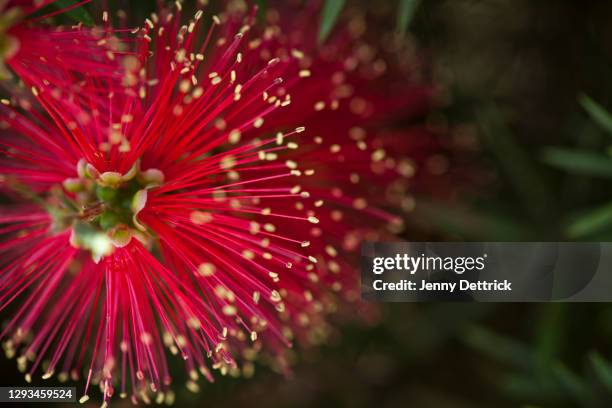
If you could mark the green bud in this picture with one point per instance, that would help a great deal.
(152, 177)
(100, 246)
(121, 237)
(111, 178)
(87, 237)
(138, 203)
(82, 168)
(91, 171)
(73, 185)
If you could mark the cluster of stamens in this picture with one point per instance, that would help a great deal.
(240, 251)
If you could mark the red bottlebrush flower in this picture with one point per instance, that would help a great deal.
(212, 205)
(36, 51)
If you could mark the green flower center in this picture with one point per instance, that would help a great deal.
(102, 208)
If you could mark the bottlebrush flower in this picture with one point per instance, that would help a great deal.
(211, 205)
(34, 50)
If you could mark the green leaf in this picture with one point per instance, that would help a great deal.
(515, 162)
(499, 348)
(597, 112)
(433, 327)
(602, 369)
(574, 386)
(527, 388)
(405, 13)
(591, 222)
(79, 14)
(470, 224)
(329, 15)
(261, 10)
(550, 334)
(578, 161)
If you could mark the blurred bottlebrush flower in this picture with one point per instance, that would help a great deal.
(211, 202)
(35, 50)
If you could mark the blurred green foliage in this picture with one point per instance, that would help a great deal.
(75, 11)
(329, 15)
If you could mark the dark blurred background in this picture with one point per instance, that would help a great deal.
(529, 85)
